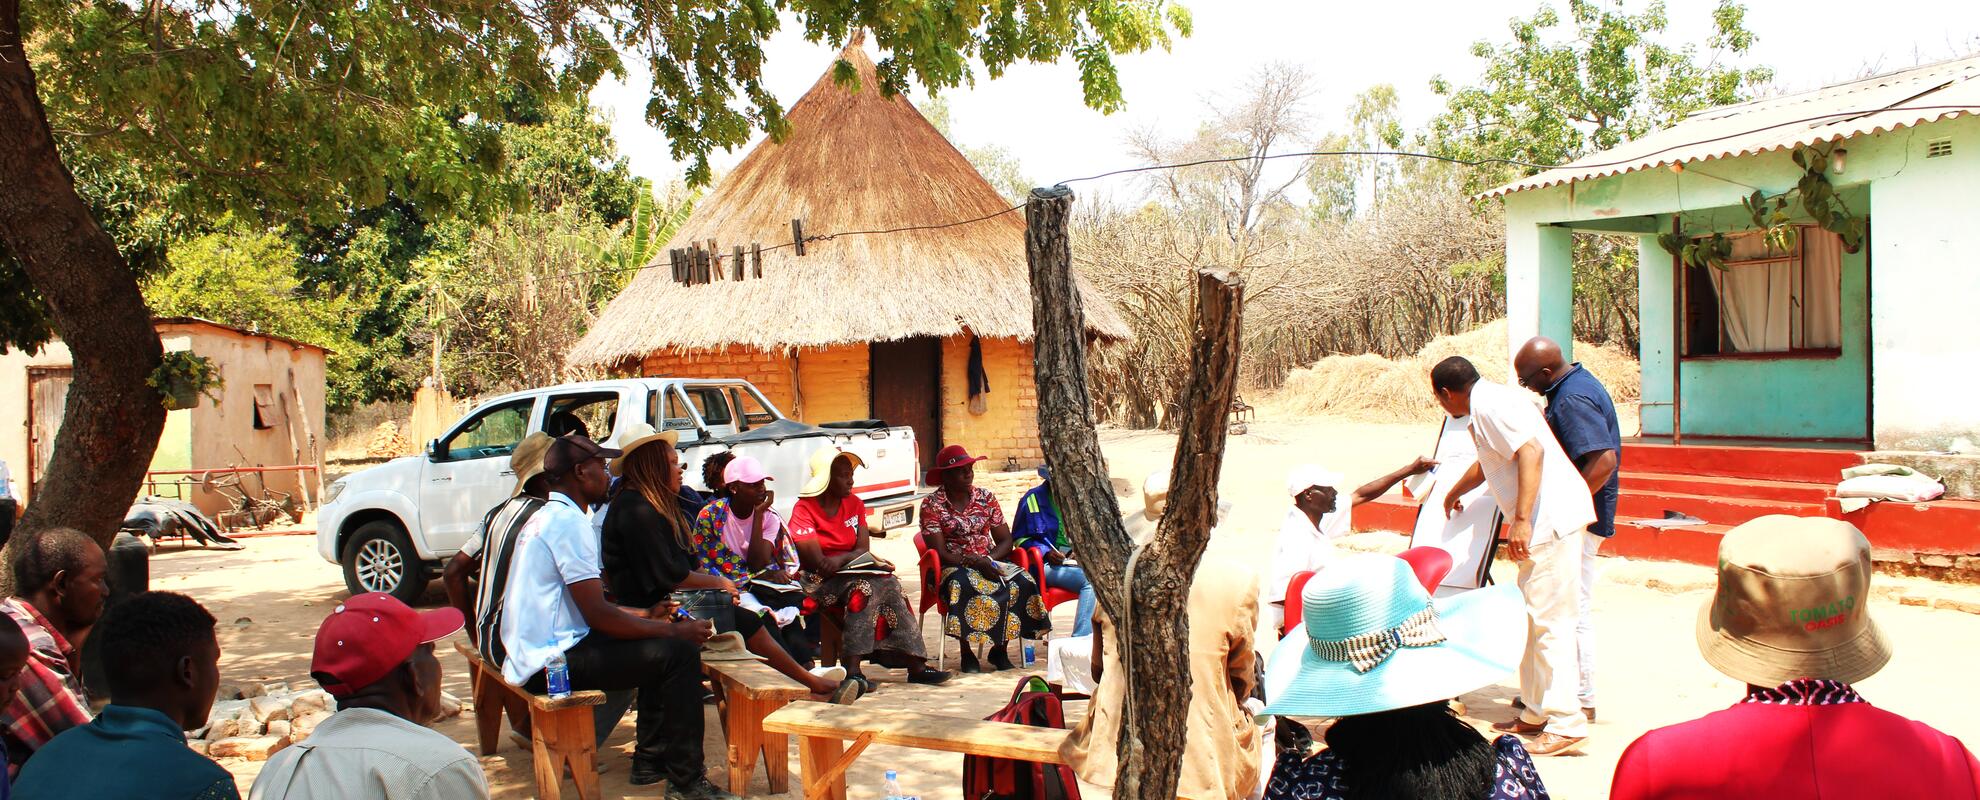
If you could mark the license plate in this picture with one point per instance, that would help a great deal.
(895, 518)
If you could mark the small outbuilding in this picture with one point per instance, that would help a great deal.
(917, 311)
(1858, 340)
(268, 415)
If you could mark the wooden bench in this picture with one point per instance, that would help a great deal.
(562, 735)
(750, 691)
(822, 728)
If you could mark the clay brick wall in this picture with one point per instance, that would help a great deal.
(771, 372)
(834, 384)
(1009, 428)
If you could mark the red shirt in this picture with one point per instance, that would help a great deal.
(1768, 748)
(835, 533)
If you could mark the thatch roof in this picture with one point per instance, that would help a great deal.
(852, 161)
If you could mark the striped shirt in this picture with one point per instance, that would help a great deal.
(491, 546)
(1804, 692)
(51, 697)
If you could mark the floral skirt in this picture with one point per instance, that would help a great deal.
(987, 612)
(865, 600)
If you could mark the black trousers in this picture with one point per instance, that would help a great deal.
(667, 673)
(801, 637)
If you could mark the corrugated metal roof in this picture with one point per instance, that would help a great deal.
(1869, 105)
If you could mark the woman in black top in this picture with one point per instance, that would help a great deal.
(646, 556)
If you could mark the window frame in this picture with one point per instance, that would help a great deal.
(1797, 304)
(443, 451)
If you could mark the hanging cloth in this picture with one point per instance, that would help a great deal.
(979, 380)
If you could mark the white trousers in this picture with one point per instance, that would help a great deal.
(1551, 582)
(1584, 627)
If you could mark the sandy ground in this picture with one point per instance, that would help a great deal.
(270, 598)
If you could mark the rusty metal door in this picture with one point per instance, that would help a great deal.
(907, 389)
(48, 398)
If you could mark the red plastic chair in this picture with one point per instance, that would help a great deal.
(1430, 563)
(1294, 608)
(1035, 564)
(931, 593)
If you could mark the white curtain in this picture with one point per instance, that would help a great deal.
(1821, 296)
(1756, 308)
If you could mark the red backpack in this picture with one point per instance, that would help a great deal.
(985, 778)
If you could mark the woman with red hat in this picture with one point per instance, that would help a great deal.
(990, 603)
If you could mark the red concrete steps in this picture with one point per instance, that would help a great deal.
(1711, 486)
(1697, 545)
(1792, 464)
(1940, 526)
(1718, 510)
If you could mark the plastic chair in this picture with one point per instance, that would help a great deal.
(1294, 608)
(931, 594)
(1430, 563)
(1035, 564)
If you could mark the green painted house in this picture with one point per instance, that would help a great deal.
(1794, 336)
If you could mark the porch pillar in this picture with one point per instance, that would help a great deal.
(1539, 283)
(1657, 332)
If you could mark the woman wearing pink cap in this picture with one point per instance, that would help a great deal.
(990, 603)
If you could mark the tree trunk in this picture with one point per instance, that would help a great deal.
(1158, 688)
(114, 417)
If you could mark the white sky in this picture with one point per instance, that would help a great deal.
(1035, 111)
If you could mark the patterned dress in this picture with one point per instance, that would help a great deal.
(984, 610)
(1320, 776)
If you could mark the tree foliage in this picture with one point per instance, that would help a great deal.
(339, 117)
(1547, 96)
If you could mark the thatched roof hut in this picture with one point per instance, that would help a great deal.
(880, 309)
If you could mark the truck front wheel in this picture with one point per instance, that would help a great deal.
(380, 558)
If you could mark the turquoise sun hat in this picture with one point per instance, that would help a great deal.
(1373, 640)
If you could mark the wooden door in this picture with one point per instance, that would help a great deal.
(48, 399)
(907, 389)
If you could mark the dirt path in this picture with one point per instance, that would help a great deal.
(270, 597)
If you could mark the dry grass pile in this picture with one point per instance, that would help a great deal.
(1371, 388)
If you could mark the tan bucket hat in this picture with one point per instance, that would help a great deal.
(1793, 602)
(638, 435)
(526, 461)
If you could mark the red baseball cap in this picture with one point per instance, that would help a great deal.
(369, 635)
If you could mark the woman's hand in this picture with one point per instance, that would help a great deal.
(1054, 557)
(776, 576)
(726, 585)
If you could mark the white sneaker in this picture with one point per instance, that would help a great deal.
(833, 674)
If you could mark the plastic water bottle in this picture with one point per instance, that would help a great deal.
(557, 677)
(894, 788)
(1030, 656)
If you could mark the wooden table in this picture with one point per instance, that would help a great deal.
(750, 691)
(823, 728)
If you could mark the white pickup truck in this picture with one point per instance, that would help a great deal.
(393, 526)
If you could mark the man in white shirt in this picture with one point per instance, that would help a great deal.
(1548, 511)
(375, 655)
(554, 605)
(1314, 521)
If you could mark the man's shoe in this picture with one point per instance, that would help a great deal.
(1519, 726)
(700, 789)
(1554, 744)
(1589, 712)
(1519, 704)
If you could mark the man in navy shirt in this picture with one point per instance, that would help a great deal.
(1584, 420)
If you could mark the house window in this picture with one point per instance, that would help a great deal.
(1767, 301)
(266, 412)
